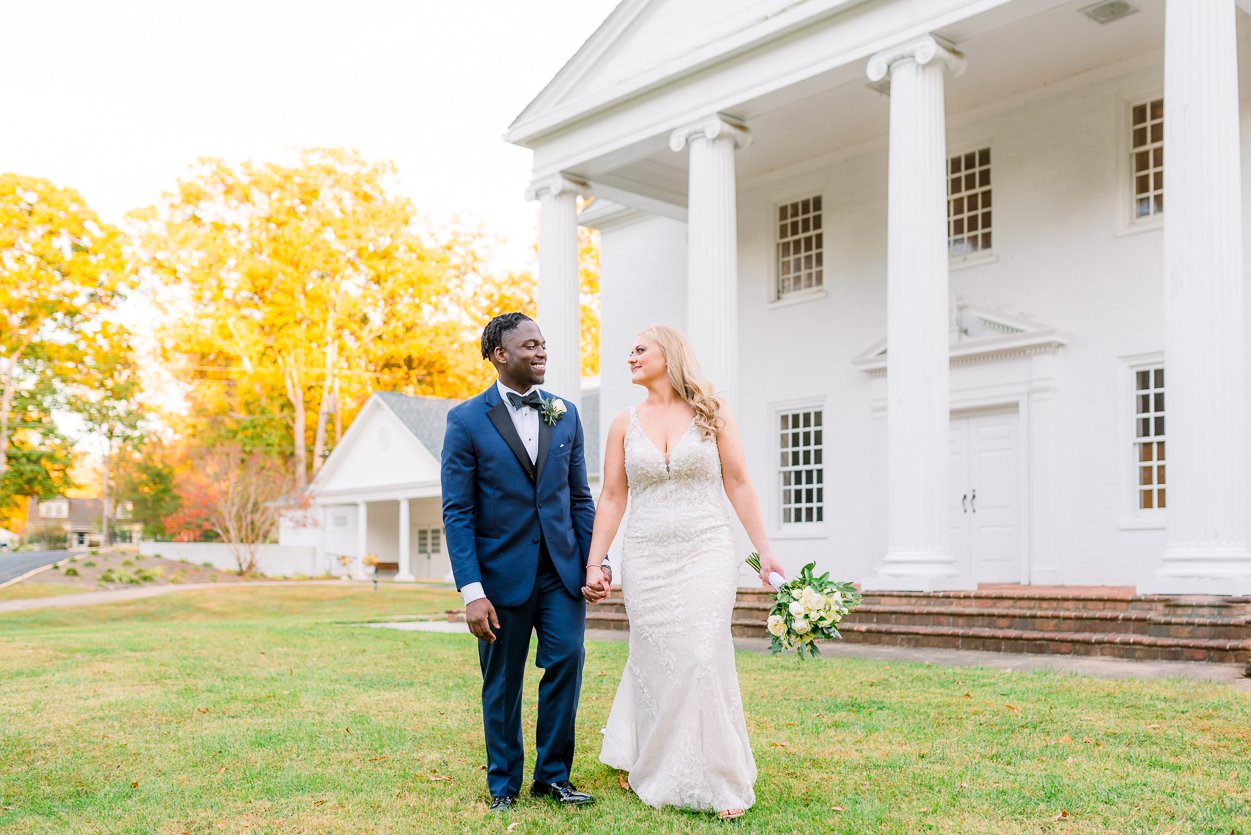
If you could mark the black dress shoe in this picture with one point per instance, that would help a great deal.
(503, 803)
(563, 792)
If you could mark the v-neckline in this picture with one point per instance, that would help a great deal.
(664, 455)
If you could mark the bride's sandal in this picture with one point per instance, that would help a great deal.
(731, 814)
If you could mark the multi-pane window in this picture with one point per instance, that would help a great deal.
(1147, 158)
(801, 474)
(800, 247)
(56, 509)
(1149, 437)
(429, 541)
(968, 203)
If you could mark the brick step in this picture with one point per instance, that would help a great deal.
(1139, 647)
(1050, 620)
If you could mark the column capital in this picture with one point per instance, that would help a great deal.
(555, 185)
(922, 50)
(711, 127)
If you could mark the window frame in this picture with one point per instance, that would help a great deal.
(775, 297)
(982, 256)
(1129, 224)
(797, 530)
(1134, 516)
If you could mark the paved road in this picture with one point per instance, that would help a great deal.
(15, 564)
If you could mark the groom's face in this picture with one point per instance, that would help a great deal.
(522, 358)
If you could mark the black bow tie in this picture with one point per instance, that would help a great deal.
(532, 399)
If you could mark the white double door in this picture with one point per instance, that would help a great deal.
(985, 490)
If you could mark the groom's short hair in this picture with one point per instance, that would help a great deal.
(498, 328)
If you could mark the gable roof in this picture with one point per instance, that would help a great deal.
(425, 417)
(645, 44)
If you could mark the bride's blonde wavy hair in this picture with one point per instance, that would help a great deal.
(686, 378)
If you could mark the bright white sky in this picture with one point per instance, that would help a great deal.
(117, 98)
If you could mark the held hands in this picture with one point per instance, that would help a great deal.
(598, 581)
(481, 617)
(769, 564)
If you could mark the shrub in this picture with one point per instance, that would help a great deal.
(71, 572)
(89, 564)
(206, 564)
(109, 576)
(93, 551)
(139, 557)
(127, 563)
(56, 567)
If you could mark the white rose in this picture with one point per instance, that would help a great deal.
(811, 600)
(777, 625)
(558, 406)
(800, 626)
(797, 609)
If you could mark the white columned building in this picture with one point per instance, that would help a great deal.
(362, 540)
(1205, 340)
(404, 571)
(712, 245)
(560, 305)
(918, 555)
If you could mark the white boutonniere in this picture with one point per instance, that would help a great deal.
(553, 410)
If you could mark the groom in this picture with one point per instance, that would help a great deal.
(518, 514)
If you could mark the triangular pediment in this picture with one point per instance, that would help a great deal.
(978, 333)
(377, 452)
(643, 42)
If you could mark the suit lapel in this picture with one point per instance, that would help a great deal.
(503, 421)
(545, 443)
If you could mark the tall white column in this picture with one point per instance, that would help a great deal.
(362, 540)
(1205, 347)
(405, 572)
(560, 305)
(712, 246)
(917, 414)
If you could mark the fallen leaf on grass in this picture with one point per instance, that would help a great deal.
(838, 809)
(1233, 775)
(1087, 740)
(482, 768)
(1064, 814)
(436, 777)
(779, 745)
(968, 695)
(1066, 739)
(623, 782)
(514, 825)
(319, 803)
(379, 759)
(348, 731)
(221, 770)
(1012, 708)
(135, 784)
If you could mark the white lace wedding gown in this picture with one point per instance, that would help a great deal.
(677, 721)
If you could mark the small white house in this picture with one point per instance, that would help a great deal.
(8, 540)
(378, 492)
(970, 271)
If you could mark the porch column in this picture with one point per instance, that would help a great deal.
(560, 305)
(917, 414)
(405, 572)
(1205, 343)
(362, 540)
(712, 246)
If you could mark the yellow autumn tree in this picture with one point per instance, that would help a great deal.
(61, 268)
(293, 290)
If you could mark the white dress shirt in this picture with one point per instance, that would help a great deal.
(526, 420)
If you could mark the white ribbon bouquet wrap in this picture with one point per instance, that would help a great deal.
(806, 609)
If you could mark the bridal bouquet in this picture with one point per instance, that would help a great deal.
(806, 609)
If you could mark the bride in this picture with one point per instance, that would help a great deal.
(677, 721)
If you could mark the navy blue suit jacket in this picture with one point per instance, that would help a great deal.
(496, 504)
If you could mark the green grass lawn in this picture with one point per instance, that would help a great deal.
(33, 588)
(266, 710)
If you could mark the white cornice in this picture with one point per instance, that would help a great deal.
(923, 50)
(711, 127)
(535, 121)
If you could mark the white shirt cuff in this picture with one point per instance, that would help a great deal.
(471, 592)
